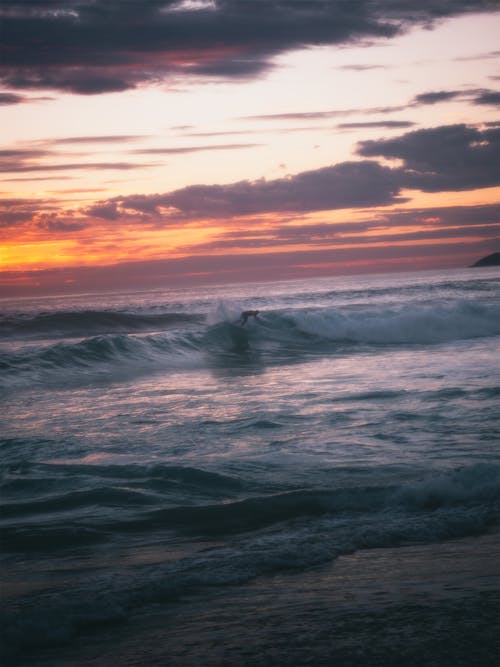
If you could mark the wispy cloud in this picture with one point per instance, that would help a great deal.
(44, 159)
(474, 96)
(388, 124)
(44, 156)
(480, 56)
(71, 166)
(361, 68)
(478, 96)
(191, 149)
(8, 98)
(322, 115)
(99, 139)
(394, 225)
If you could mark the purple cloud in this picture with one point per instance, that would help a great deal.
(451, 157)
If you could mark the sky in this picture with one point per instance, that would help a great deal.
(156, 143)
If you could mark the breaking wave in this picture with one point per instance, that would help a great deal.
(139, 343)
(265, 533)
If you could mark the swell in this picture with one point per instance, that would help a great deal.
(87, 323)
(72, 363)
(223, 506)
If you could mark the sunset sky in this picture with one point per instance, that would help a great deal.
(152, 143)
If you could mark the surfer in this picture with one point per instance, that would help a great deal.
(246, 314)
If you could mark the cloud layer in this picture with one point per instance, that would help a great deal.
(451, 157)
(99, 46)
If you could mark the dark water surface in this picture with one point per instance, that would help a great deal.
(154, 450)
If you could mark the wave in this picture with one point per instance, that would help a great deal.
(279, 335)
(82, 324)
(263, 535)
(220, 505)
(415, 323)
(106, 485)
(96, 358)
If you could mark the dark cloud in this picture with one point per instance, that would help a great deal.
(11, 98)
(388, 124)
(452, 157)
(455, 157)
(16, 210)
(101, 46)
(106, 211)
(54, 222)
(14, 218)
(234, 68)
(91, 81)
(8, 98)
(345, 185)
(42, 214)
(437, 96)
(489, 97)
(481, 96)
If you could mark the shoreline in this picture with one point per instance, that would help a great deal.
(436, 604)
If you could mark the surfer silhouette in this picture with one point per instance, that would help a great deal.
(246, 314)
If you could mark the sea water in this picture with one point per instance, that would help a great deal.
(153, 447)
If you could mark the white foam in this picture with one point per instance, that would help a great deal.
(412, 323)
(224, 311)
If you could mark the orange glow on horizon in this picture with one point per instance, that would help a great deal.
(104, 243)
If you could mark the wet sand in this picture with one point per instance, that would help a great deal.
(424, 605)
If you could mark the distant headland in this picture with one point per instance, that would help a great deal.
(489, 260)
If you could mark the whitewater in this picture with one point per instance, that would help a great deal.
(158, 458)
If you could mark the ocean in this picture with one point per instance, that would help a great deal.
(320, 486)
